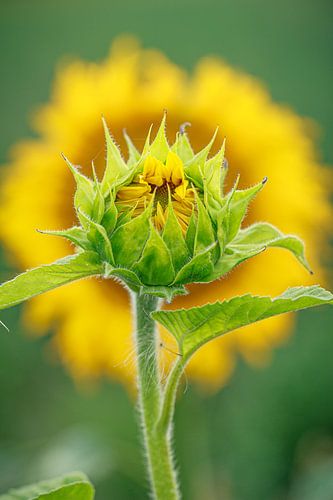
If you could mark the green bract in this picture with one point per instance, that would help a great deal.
(162, 261)
(124, 242)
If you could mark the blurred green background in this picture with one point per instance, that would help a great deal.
(268, 435)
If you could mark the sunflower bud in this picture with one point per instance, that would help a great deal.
(161, 220)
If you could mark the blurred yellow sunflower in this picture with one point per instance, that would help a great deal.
(131, 88)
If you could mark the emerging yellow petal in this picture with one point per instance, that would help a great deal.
(133, 192)
(164, 181)
(174, 169)
(153, 171)
(159, 217)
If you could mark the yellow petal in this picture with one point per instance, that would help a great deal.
(133, 192)
(175, 168)
(153, 171)
(180, 190)
(160, 217)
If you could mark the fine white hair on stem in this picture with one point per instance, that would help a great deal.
(129, 360)
(162, 362)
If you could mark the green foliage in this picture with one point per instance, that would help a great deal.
(199, 267)
(199, 241)
(214, 176)
(75, 234)
(254, 240)
(274, 17)
(47, 277)
(191, 247)
(174, 240)
(266, 235)
(84, 197)
(129, 239)
(75, 486)
(154, 251)
(116, 168)
(196, 326)
(182, 146)
(234, 209)
(160, 146)
(195, 166)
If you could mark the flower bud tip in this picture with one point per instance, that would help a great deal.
(182, 128)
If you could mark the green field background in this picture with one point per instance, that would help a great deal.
(268, 435)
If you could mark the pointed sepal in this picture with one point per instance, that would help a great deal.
(155, 264)
(194, 168)
(267, 235)
(116, 167)
(133, 154)
(182, 147)
(174, 239)
(85, 193)
(160, 147)
(75, 234)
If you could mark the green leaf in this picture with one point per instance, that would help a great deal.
(237, 203)
(197, 269)
(222, 216)
(99, 239)
(155, 265)
(197, 326)
(267, 235)
(190, 233)
(133, 154)
(98, 207)
(174, 240)
(214, 175)
(204, 236)
(160, 147)
(194, 167)
(75, 486)
(232, 257)
(116, 168)
(125, 217)
(47, 277)
(134, 283)
(85, 193)
(109, 220)
(146, 146)
(182, 147)
(75, 235)
(129, 277)
(129, 239)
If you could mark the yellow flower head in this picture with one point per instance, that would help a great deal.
(143, 225)
(131, 88)
(160, 180)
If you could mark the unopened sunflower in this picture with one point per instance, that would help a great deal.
(130, 89)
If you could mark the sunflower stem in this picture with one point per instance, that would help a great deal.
(157, 439)
(164, 422)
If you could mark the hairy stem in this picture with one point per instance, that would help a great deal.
(169, 396)
(156, 439)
